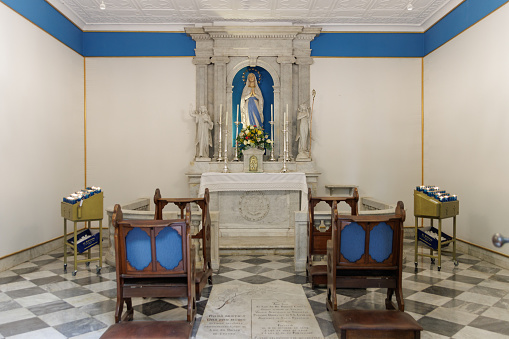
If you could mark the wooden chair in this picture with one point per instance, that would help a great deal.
(154, 258)
(317, 238)
(203, 274)
(366, 251)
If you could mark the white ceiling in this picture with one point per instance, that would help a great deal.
(331, 15)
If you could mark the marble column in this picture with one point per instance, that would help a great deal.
(304, 64)
(219, 94)
(201, 80)
(286, 98)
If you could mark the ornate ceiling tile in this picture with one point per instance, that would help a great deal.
(373, 15)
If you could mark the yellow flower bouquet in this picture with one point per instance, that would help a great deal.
(253, 136)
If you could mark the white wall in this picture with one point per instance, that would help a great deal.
(41, 131)
(367, 126)
(140, 136)
(467, 126)
(139, 133)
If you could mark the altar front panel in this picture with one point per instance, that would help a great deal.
(255, 210)
(256, 213)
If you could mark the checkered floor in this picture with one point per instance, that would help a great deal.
(37, 300)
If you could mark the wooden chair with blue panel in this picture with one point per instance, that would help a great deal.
(319, 233)
(203, 236)
(154, 258)
(366, 252)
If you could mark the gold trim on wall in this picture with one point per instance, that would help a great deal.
(364, 57)
(141, 56)
(422, 121)
(85, 116)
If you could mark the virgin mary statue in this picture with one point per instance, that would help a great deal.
(251, 103)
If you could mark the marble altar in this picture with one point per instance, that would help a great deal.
(252, 207)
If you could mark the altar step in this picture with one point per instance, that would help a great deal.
(256, 245)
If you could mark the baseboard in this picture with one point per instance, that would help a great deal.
(20, 257)
(28, 254)
(474, 250)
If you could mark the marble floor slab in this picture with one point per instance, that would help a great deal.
(272, 310)
(39, 300)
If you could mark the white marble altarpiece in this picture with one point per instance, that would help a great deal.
(221, 55)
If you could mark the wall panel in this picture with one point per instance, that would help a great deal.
(366, 125)
(467, 123)
(41, 131)
(140, 133)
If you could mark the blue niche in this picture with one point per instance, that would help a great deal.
(352, 242)
(380, 242)
(169, 248)
(266, 84)
(138, 249)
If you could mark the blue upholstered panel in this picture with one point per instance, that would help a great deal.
(138, 248)
(352, 242)
(380, 242)
(169, 248)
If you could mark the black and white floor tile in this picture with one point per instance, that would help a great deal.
(39, 300)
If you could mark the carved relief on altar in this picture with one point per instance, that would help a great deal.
(254, 206)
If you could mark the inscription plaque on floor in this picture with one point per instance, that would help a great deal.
(275, 309)
(288, 319)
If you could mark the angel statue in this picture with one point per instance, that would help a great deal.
(251, 103)
(204, 125)
(303, 118)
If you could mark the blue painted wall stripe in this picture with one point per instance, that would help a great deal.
(123, 44)
(326, 44)
(368, 45)
(50, 20)
(463, 16)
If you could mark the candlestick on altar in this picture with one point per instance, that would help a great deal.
(271, 122)
(284, 169)
(236, 158)
(225, 168)
(219, 155)
(287, 158)
(285, 140)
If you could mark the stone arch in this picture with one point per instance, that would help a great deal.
(260, 62)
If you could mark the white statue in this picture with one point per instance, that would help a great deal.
(251, 103)
(203, 135)
(303, 118)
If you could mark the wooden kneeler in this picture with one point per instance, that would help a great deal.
(360, 324)
(149, 330)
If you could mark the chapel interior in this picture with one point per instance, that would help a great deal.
(254, 169)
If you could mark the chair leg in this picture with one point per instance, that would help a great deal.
(118, 309)
(328, 305)
(399, 299)
(129, 312)
(191, 311)
(388, 302)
